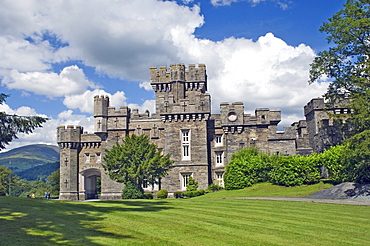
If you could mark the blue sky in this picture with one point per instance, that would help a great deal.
(56, 55)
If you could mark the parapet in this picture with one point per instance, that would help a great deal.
(69, 134)
(101, 104)
(314, 104)
(122, 111)
(178, 72)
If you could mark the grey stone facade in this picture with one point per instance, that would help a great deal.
(200, 143)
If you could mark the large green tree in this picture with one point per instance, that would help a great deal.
(136, 161)
(346, 64)
(7, 180)
(11, 125)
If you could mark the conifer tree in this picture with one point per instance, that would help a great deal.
(136, 161)
(11, 125)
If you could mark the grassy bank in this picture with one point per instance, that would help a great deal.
(201, 221)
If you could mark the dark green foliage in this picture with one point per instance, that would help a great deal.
(295, 170)
(162, 194)
(7, 180)
(135, 161)
(356, 158)
(148, 196)
(132, 191)
(332, 159)
(11, 125)
(247, 167)
(347, 63)
(24, 188)
(40, 173)
(178, 194)
(53, 181)
(192, 184)
(213, 188)
(194, 193)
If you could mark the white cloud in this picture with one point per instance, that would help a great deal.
(147, 105)
(71, 80)
(23, 56)
(125, 38)
(85, 101)
(284, 4)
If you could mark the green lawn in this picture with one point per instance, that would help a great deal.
(198, 221)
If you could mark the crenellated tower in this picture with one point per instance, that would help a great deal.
(69, 141)
(183, 104)
(101, 104)
(181, 93)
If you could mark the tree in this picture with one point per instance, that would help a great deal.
(356, 158)
(136, 161)
(347, 63)
(53, 180)
(7, 180)
(11, 125)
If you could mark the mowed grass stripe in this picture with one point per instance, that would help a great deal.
(314, 217)
(203, 219)
(197, 221)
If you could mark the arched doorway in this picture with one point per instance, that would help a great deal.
(91, 183)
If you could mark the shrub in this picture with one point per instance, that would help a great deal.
(189, 194)
(213, 188)
(148, 196)
(162, 194)
(192, 184)
(247, 167)
(178, 194)
(295, 170)
(199, 192)
(131, 191)
(332, 160)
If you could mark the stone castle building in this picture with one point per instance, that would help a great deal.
(200, 143)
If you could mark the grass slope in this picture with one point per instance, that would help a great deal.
(201, 221)
(29, 156)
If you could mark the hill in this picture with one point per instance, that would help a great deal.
(30, 156)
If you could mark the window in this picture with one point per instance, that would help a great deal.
(87, 157)
(184, 180)
(219, 158)
(145, 184)
(220, 179)
(218, 140)
(98, 157)
(185, 144)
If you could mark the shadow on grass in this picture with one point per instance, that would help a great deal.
(25, 221)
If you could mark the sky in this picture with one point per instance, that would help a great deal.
(55, 56)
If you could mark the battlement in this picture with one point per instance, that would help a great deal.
(69, 134)
(122, 111)
(314, 104)
(101, 104)
(178, 72)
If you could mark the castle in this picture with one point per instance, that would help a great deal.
(200, 143)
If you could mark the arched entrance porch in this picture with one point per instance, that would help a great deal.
(90, 183)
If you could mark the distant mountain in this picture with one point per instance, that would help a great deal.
(39, 173)
(30, 156)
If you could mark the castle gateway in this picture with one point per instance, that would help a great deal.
(199, 142)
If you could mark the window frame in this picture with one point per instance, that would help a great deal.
(185, 144)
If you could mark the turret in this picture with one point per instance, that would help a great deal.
(101, 105)
(69, 141)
